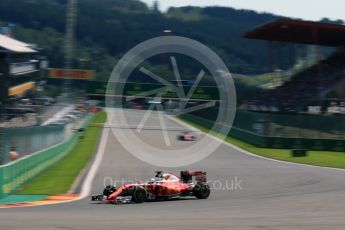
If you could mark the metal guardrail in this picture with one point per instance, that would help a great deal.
(15, 174)
(280, 125)
(28, 140)
(262, 138)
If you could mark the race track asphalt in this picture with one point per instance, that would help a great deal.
(269, 195)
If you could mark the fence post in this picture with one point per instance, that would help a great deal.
(2, 149)
(2, 195)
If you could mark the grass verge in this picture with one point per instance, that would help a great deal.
(319, 158)
(59, 178)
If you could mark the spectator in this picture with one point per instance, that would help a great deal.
(14, 154)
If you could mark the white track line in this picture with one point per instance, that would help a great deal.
(246, 152)
(86, 188)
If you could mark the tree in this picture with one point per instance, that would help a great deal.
(155, 7)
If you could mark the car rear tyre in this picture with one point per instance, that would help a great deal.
(139, 195)
(202, 191)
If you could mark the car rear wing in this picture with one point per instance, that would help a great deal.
(187, 176)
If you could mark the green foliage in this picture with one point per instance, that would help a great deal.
(51, 91)
(106, 29)
(186, 14)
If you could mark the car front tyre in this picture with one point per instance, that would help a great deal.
(139, 195)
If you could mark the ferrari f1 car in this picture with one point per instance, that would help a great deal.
(163, 186)
(186, 136)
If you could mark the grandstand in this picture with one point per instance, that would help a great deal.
(320, 85)
(291, 115)
(19, 71)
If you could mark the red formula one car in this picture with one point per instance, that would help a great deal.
(186, 136)
(161, 187)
